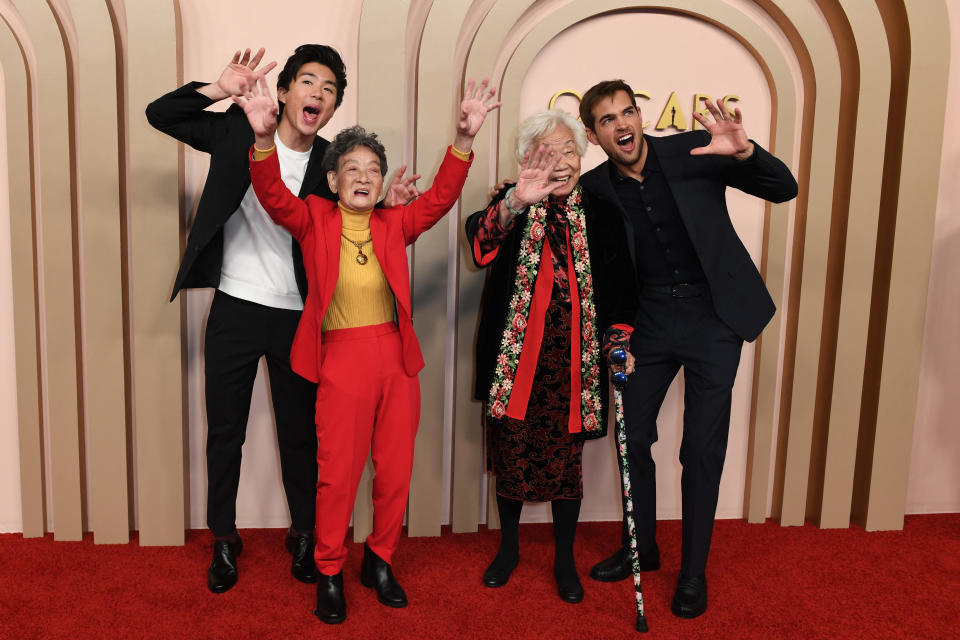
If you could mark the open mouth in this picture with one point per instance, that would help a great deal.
(560, 179)
(311, 114)
(625, 140)
(361, 192)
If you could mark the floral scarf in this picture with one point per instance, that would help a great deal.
(532, 287)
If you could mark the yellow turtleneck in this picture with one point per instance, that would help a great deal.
(362, 295)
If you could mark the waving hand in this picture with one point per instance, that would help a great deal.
(727, 136)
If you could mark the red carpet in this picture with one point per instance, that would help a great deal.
(765, 582)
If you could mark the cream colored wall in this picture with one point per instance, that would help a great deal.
(10, 517)
(209, 40)
(934, 484)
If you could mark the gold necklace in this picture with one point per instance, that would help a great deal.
(361, 256)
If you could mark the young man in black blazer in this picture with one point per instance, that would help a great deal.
(700, 297)
(257, 270)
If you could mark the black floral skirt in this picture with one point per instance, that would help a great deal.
(537, 458)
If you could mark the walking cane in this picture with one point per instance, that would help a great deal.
(619, 356)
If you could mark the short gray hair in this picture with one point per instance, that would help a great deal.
(348, 140)
(544, 122)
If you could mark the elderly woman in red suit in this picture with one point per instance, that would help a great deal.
(559, 276)
(356, 338)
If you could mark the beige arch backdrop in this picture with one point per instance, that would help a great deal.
(105, 375)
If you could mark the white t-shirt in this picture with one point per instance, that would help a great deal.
(258, 254)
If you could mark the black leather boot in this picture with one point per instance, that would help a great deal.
(300, 545)
(223, 570)
(331, 605)
(376, 574)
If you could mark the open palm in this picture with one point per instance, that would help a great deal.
(474, 108)
(259, 106)
(533, 183)
(242, 69)
(727, 135)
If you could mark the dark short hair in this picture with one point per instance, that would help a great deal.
(596, 93)
(321, 53)
(348, 140)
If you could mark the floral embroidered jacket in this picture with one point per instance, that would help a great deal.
(613, 291)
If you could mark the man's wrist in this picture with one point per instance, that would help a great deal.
(213, 91)
(746, 154)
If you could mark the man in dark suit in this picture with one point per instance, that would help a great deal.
(700, 297)
(257, 270)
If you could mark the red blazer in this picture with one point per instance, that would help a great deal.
(316, 224)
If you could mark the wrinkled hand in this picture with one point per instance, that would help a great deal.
(242, 68)
(259, 106)
(402, 190)
(618, 337)
(533, 182)
(727, 135)
(474, 108)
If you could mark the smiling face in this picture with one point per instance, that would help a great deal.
(567, 170)
(358, 179)
(308, 104)
(618, 129)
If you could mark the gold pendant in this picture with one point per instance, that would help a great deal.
(361, 257)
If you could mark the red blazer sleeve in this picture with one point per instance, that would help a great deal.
(425, 211)
(287, 210)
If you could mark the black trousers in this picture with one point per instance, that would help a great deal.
(238, 334)
(670, 333)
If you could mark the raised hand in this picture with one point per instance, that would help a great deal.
(727, 136)
(476, 104)
(533, 182)
(402, 190)
(242, 68)
(260, 108)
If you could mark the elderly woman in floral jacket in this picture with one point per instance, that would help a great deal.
(560, 274)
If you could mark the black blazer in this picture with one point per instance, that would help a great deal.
(698, 185)
(227, 137)
(614, 289)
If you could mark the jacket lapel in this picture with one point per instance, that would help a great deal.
(333, 226)
(599, 183)
(313, 176)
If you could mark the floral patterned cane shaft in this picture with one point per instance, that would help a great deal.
(628, 499)
(531, 250)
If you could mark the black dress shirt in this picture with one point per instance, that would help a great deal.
(665, 254)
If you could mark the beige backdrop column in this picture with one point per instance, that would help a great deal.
(438, 93)
(22, 177)
(103, 339)
(59, 301)
(154, 240)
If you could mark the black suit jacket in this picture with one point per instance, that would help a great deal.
(698, 185)
(614, 289)
(227, 137)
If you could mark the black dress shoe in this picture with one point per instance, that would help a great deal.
(303, 567)
(498, 573)
(223, 570)
(331, 605)
(619, 565)
(376, 574)
(569, 589)
(690, 599)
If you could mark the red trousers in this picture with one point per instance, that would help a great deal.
(365, 403)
